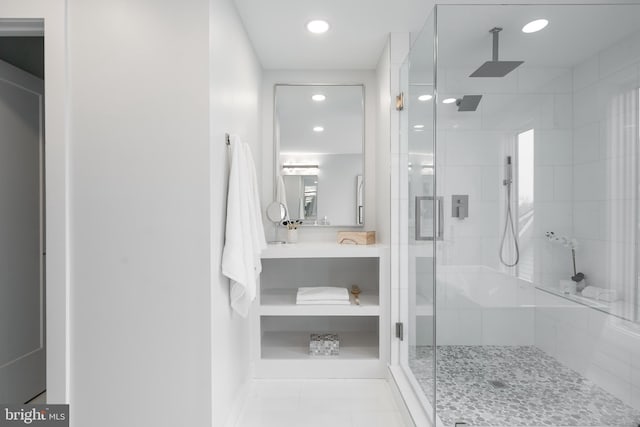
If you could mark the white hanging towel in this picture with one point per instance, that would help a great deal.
(244, 236)
(281, 195)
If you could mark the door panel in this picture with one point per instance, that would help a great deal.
(22, 311)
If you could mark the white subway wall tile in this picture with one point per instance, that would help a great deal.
(508, 326)
(545, 80)
(563, 183)
(491, 183)
(589, 220)
(586, 143)
(543, 185)
(562, 112)
(464, 180)
(586, 73)
(479, 148)
(589, 181)
(545, 333)
(553, 147)
(584, 109)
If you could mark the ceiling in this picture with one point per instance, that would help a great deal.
(574, 33)
(359, 29)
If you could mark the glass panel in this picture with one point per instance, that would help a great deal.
(421, 225)
(537, 288)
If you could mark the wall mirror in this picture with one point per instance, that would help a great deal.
(319, 153)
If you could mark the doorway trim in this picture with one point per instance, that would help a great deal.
(53, 13)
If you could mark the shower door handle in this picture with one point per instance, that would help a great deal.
(424, 210)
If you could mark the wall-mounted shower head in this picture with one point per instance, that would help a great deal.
(468, 102)
(496, 68)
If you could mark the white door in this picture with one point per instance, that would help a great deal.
(22, 291)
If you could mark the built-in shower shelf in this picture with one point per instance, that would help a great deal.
(282, 302)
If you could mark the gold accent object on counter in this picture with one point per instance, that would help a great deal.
(357, 237)
(355, 291)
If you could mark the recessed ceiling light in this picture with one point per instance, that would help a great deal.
(418, 126)
(449, 101)
(318, 129)
(424, 98)
(318, 26)
(534, 26)
(318, 97)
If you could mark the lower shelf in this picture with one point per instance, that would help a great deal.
(295, 345)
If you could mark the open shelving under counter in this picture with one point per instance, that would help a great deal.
(282, 302)
(287, 345)
(283, 328)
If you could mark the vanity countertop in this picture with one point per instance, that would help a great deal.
(323, 250)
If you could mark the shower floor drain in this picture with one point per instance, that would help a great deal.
(497, 384)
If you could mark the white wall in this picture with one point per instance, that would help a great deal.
(366, 77)
(140, 213)
(383, 146)
(235, 108)
(151, 98)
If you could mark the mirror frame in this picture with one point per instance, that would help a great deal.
(276, 148)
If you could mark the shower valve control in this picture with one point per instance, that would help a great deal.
(460, 206)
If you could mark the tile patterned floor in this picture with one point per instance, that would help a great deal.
(320, 403)
(539, 390)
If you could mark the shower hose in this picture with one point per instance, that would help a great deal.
(508, 223)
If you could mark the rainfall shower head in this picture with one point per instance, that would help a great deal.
(468, 102)
(496, 68)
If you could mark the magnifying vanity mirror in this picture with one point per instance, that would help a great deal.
(319, 153)
(276, 212)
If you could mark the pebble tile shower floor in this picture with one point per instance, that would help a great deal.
(537, 390)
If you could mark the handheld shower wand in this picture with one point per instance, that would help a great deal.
(508, 177)
(508, 222)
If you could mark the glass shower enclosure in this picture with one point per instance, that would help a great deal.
(519, 179)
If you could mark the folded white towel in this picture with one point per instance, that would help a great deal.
(324, 302)
(319, 293)
(591, 292)
(608, 295)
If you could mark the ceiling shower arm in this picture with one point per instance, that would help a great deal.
(495, 31)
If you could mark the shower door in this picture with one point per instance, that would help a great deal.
(519, 215)
(421, 214)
